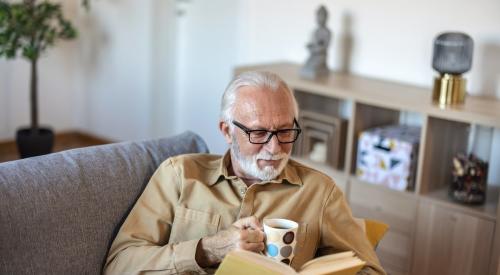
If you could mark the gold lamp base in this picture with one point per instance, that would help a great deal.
(449, 89)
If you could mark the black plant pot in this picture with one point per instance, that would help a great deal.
(34, 143)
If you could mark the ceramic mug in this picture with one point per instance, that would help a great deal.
(281, 237)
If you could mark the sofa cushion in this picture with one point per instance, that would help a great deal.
(59, 213)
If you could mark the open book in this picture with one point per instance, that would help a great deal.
(248, 263)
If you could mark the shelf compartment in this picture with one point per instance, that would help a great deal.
(443, 140)
(367, 117)
(324, 122)
(323, 139)
(329, 106)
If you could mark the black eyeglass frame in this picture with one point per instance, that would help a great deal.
(273, 133)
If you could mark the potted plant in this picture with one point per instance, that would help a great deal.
(29, 28)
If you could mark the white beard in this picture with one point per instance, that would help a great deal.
(249, 165)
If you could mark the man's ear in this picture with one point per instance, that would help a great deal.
(226, 131)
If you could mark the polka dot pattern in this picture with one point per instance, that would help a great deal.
(286, 261)
(286, 251)
(272, 250)
(288, 237)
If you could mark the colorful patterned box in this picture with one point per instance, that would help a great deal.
(388, 156)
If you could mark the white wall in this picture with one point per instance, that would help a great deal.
(115, 59)
(208, 47)
(4, 115)
(164, 74)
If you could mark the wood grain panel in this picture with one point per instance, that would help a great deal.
(398, 210)
(448, 242)
(443, 140)
(495, 255)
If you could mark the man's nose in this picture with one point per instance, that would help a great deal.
(273, 146)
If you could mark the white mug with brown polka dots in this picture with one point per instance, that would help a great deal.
(281, 237)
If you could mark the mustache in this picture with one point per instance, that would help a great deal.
(269, 156)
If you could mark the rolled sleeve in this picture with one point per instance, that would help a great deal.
(184, 257)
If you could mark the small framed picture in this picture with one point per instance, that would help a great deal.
(323, 139)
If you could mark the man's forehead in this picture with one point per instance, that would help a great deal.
(261, 95)
(265, 113)
(251, 101)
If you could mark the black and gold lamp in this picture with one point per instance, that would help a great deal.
(451, 58)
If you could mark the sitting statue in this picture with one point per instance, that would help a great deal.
(318, 48)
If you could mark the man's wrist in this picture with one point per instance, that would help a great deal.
(204, 256)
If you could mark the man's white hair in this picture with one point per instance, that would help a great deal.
(265, 80)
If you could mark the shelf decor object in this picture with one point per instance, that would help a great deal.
(323, 138)
(388, 156)
(452, 57)
(469, 179)
(316, 65)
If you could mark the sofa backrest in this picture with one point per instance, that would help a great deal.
(59, 213)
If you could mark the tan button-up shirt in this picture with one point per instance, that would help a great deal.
(193, 196)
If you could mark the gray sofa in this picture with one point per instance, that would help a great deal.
(59, 213)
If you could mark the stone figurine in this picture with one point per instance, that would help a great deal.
(316, 66)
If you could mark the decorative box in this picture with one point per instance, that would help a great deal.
(388, 156)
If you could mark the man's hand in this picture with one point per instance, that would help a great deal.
(245, 234)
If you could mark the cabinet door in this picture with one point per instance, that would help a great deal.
(398, 210)
(450, 242)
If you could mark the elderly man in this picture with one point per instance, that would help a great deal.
(196, 208)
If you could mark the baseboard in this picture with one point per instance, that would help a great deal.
(62, 141)
(8, 147)
(71, 136)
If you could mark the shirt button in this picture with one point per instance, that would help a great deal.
(242, 191)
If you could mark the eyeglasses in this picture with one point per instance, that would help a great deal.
(262, 136)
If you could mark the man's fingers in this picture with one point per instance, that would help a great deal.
(249, 222)
(255, 247)
(255, 236)
(251, 235)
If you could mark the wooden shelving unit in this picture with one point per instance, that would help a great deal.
(407, 249)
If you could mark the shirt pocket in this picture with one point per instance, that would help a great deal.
(191, 224)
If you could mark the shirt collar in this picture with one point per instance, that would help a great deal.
(288, 175)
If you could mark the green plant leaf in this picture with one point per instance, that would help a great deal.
(31, 27)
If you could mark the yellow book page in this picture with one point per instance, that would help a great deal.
(328, 258)
(342, 266)
(249, 263)
(346, 271)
